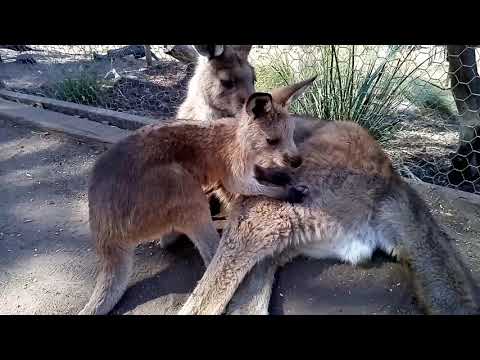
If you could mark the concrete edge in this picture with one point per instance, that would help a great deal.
(116, 118)
(421, 187)
(83, 129)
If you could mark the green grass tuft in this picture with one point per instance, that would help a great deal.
(354, 83)
(83, 89)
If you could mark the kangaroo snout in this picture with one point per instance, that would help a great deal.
(294, 161)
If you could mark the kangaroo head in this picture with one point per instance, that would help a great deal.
(266, 128)
(225, 77)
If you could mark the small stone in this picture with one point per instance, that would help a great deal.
(27, 220)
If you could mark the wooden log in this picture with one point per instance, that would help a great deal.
(183, 53)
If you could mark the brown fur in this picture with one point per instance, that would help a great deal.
(150, 184)
(357, 203)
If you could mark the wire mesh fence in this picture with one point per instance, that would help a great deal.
(421, 102)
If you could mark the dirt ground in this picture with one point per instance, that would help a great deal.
(153, 92)
(47, 263)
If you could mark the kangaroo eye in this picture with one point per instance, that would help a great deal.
(227, 83)
(273, 142)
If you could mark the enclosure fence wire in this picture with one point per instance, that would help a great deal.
(421, 103)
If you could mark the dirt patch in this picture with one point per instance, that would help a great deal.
(157, 93)
(424, 145)
(124, 84)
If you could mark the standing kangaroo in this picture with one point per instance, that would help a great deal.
(356, 204)
(150, 184)
(222, 81)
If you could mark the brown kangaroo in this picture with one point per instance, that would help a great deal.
(150, 184)
(356, 204)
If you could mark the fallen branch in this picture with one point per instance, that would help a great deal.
(138, 52)
(183, 53)
(19, 48)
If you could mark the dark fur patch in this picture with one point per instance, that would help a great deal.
(271, 176)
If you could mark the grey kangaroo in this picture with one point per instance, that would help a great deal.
(357, 203)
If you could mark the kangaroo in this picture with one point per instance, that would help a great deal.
(150, 184)
(356, 203)
(222, 81)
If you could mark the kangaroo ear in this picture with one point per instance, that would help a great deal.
(286, 95)
(258, 105)
(243, 50)
(209, 51)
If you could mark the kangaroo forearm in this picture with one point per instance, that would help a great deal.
(276, 192)
(271, 176)
(251, 187)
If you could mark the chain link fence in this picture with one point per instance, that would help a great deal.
(421, 102)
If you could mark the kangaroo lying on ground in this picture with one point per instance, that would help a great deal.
(357, 203)
(205, 94)
(150, 184)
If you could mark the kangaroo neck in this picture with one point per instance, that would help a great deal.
(232, 151)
